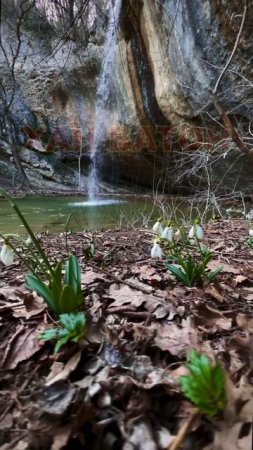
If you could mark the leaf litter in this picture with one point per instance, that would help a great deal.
(119, 388)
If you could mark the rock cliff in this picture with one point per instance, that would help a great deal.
(172, 125)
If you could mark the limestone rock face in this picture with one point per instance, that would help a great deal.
(172, 56)
(165, 127)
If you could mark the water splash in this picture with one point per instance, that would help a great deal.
(96, 202)
(102, 109)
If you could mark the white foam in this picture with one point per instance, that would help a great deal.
(97, 202)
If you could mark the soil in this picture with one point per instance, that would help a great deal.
(118, 388)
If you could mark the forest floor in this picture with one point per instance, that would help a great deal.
(119, 388)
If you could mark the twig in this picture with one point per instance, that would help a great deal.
(120, 280)
(233, 51)
(226, 120)
(176, 444)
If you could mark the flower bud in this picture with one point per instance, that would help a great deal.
(157, 228)
(28, 241)
(167, 234)
(196, 232)
(156, 251)
(7, 255)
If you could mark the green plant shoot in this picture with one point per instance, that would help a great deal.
(191, 269)
(205, 384)
(61, 295)
(71, 328)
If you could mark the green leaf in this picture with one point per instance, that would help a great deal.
(62, 341)
(69, 300)
(49, 334)
(72, 274)
(74, 321)
(205, 385)
(212, 275)
(179, 274)
(35, 284)
(58, 275)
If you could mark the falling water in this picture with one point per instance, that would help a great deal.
(102, 110)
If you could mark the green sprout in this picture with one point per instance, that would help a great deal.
(205, 384)
(250, 241)
(190, 268)
(71, 328)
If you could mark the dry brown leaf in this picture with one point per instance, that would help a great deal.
(227, 268)
(245, 322)
(228, 438)
(178, 340)
(240, 279)
(33, 306)
(22, 345)
(6, 422)
(10, 294)
(61, 437)
(133, 299)
(124, 295)
(213, 292)
(90, 276)
(59, 371)
(247, 297)
(210, 318)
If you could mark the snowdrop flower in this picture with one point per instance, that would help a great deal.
(251, 232)
(7, 255)
(196, 232)
(167, 234)
(28, 241)
(156, 251)
(157, 228)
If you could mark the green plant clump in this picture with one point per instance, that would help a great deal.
(62, 295)
(205, 385)
(191, 268)
(71, 328)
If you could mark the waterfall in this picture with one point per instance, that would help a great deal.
(102, 108)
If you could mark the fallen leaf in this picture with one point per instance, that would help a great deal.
(178, 340)
(212, 265)
(90, 276)
(6, 422)
(240, 279)
(140, 437)
(213, 292)
(125, 296)
(22, 345)
(55, 399)
(228, 437)
(210, 318)
(61, 437)
(59, 371)
(33, 306)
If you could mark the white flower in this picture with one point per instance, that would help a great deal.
(251, 232)
(196, 232)
(7, 255)
(157, 228)
(28, 241)
(167, 234)
(156, 251)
